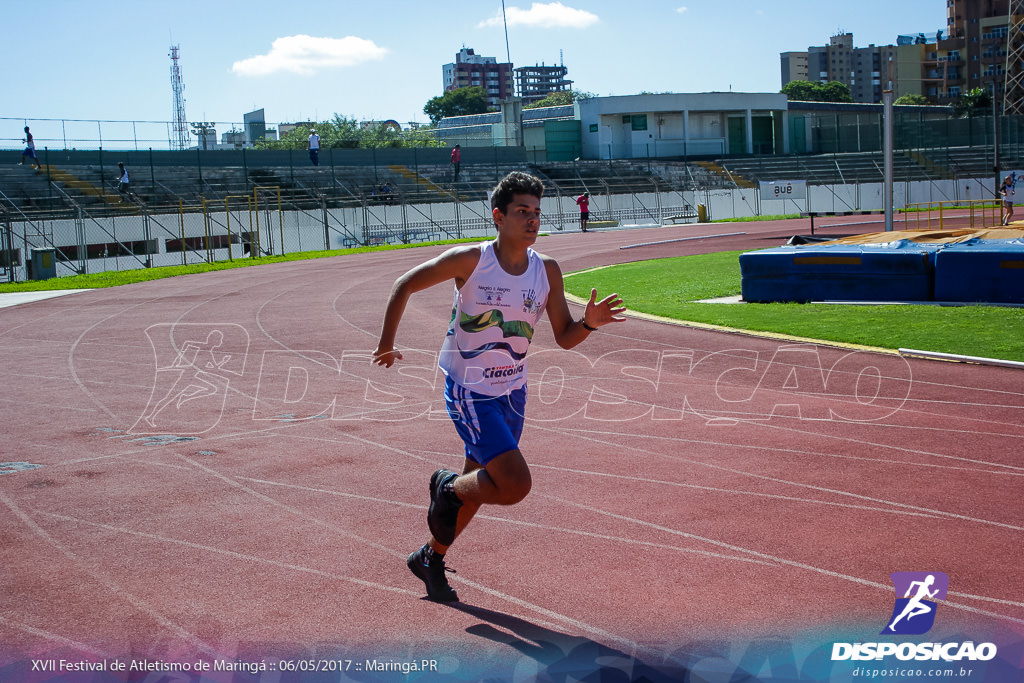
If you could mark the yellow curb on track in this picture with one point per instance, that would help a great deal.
(735, 330)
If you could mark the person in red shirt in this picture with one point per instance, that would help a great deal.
(584, 203)
(456, 161)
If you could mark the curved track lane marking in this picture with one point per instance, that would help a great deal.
(111, 585)
(503, 520)
(1014, 469)
(785, 561)
(82, 647)
(575, 623)
(737, 492)
(229, 553)
(791, 451)
(840, 492)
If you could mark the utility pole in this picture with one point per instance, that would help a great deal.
(887, 157)
(995, 137)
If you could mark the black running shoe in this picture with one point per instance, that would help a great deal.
(444, 508)
(433, 576)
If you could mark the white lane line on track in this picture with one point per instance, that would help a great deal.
(504, 520)
(565, 619)
(108, 583)
(797, 451)
(738, 492)
(229, 553)
(840, 492)
(55, 637)
(785, 561)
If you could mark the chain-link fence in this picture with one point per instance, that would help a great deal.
(261, 223)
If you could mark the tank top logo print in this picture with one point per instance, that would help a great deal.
(492, 296)
(531, 302)
(493, 321)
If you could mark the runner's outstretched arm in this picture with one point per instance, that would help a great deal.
(455, 264)
(569, 332)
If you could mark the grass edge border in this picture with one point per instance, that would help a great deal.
(738, 330)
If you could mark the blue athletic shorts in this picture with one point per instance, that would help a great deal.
(489, 425)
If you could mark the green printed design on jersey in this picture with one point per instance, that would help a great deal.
(494, 318)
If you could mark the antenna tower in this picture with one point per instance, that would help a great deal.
(179, 124)
(1013, 87)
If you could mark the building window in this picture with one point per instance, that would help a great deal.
(639, 122)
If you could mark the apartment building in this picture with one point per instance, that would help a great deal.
(470, 69)
(969, 52)
(867, 71)
(794, 67)
(537, 82)
(973, 53)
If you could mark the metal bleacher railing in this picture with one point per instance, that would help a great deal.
(191, 206)
(171, 218)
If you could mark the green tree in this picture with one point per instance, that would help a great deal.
(346, 132)
(799, 91)
(458, 102)
(912, 99)
(558, 99)
(381, 135)
(834, 91)
(340, 131)
(973, 102)
(805, 91)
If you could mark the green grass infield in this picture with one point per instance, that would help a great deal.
(671, 288)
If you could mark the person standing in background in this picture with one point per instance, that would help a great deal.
(1006, 191)
(123, 183)
(583, 201)
(456, 161)
(314, 147)
(30, 150)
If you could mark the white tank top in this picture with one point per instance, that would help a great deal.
(493, 318)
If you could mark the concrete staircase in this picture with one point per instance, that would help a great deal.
(420, 182)
(721, 171)
(78, 188)
(934, 167)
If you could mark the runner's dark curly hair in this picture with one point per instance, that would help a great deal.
(515, 183)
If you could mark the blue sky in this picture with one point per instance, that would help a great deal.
(73, 59)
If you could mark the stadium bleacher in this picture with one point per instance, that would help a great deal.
(61, 187)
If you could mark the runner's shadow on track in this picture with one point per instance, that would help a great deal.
(561, 655)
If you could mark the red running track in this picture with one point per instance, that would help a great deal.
(213, 475)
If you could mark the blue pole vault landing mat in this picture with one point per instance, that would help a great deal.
(901, 266)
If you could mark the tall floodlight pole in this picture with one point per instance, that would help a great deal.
(179, 124)
(887, 152)
(508, 52)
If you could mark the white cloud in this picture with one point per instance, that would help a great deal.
(680, 10)
(304, 55)
(540, 15)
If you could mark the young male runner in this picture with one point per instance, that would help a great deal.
(502, 288)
